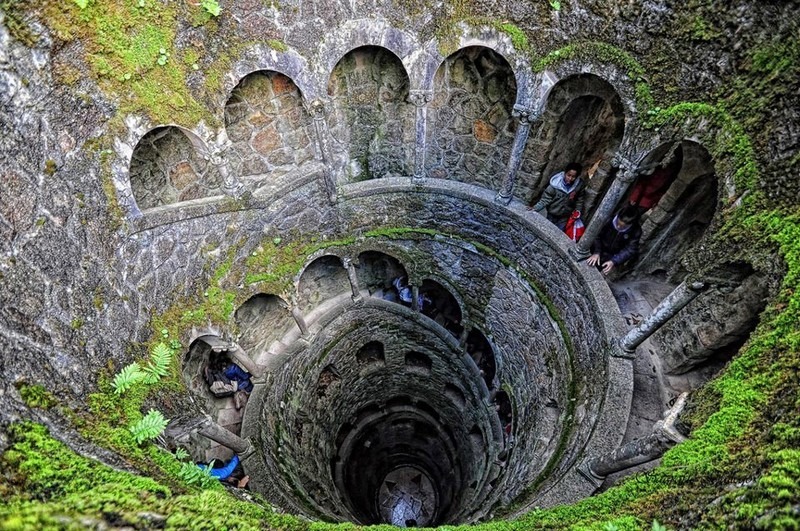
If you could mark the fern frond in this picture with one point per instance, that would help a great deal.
(127, 377)
(160, 358)
(197, 475)
(149, 427)
(181, 454)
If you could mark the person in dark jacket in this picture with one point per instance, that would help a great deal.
(618, 241)
(562, 196)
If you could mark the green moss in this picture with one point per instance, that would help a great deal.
(50, 167)
(123, 44)
(16, 23)
(593, 51)
(48, 486)
(518, 38)
(277, 45)
(36, 396)
(727, 142)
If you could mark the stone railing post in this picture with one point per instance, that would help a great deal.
(218, 434)
(317, 108)
(666, 310)
(241, 357)
(525, 117)
(638, 451)
(300, 320)
(606, 209)
(420, 99)
(352, 276)
(230, 184)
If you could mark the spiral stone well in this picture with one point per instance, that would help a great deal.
(312, 155)
(375, 390)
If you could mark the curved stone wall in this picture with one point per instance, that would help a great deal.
(550, 320)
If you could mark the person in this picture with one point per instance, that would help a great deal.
(618, 241)
(648, 190)
(562, 196)
(404, 294)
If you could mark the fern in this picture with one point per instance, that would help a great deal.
(181, 454)
(212, 7)
(127, 377)
(160, 358)
(149, 427)
(198, 475)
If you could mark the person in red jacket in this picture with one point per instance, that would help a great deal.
(649, 189)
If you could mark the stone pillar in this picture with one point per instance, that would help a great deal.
(241, 357)
(215, 432)
(321, 132)
(526, 117)
(666, 309)
(638, 451)
(420, 99)
(605, 211)
(230, 184)
(415, 298)
(353, 278)
(300, 320)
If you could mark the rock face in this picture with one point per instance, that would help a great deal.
(296, 158)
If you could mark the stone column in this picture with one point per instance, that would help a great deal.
(525, 117)
(420, 99)
(415, 298)
(666, 309)
(321, 132)
(230, 184)
(353, 278)
(242, 358)
(638, 451)
(606, 209)
(300, 320)
(215, 432)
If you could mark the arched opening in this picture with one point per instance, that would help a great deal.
(372, 123)
(269, 129)
(376, 271)
(166, 168)
(471, 130)
(441, 306)
(262, 319)
(322, 279)
(223, 387)
(418, 361)
(584, 122)
(328, 381)
(678, 213)
(371, 354)
(481, 352)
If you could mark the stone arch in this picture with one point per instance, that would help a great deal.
(168, 166)
(262, 57)
(376, 270)
(371, 121)
(683, 210)
(262, 319)
(270, 131)
(322, 279)
(583, 121)
(443, 307)
(471, 130)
